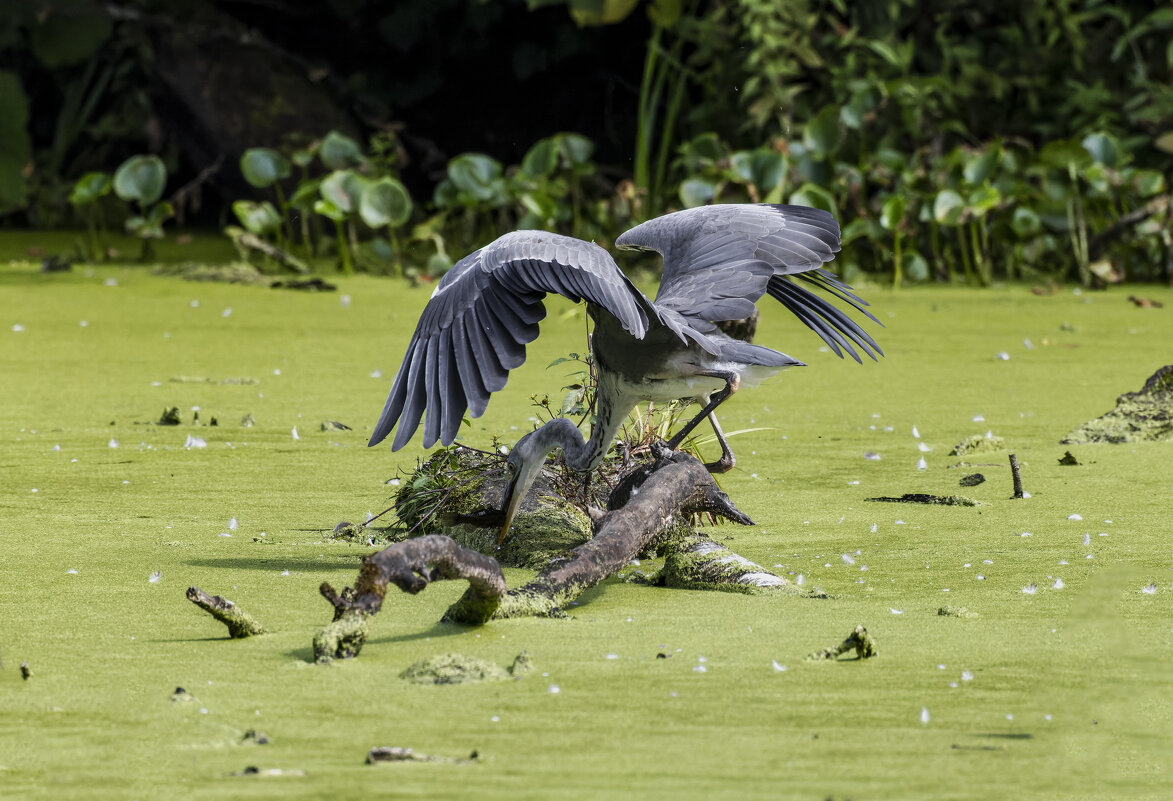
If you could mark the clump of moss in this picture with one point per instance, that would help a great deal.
(170, 417)
(458, 492)
(858, 640)
(956, 611)
(460, 669)
(1142, 416)
(978, 443)
(1068, 459)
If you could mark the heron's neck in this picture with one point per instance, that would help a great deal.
(611, 408)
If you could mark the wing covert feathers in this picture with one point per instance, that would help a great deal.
(482, 314)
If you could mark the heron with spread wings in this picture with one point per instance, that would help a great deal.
(718, 262)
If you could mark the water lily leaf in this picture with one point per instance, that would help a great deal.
(697, 192)
(306, 193)
(343, 189)
(575, 149)
(948, 207)
(329, 210)
(1066, 155)
(159, 213)
(1025, 222)
(259, 218)
(542, 158)
(1149, 182)
(892, 212)
(762, 168)
(589, 13)
(1102, 148)
(981, 165)
(385, 202)
(815, 196)
(141, 179)
(263, 166)
(339, 151)
(983, 199)
(821, 134)
(915, 267)
(89, 188)
(475, 175)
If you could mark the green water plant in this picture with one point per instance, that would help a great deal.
(140, 180)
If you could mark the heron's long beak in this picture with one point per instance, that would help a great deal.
(517, 488)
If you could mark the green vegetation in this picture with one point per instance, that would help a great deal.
(1068, 689)
(954, 142)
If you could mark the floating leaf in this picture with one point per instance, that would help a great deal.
(263, 166)
(385, 202)
(141, 179)
(339, 151)
(259, 218)
(89, 188)
(343, 189)
(948, 207)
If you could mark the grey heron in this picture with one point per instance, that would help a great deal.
(718, 262)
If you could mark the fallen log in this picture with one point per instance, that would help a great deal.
(659, 500)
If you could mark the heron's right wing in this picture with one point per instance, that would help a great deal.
(481, 316)
(720, 260)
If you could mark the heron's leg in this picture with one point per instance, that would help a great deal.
(727, 460)
(732, 381)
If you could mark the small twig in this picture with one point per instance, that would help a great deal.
(240, 623)
(1016, 473)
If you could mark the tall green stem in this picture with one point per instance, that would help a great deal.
(343, 248)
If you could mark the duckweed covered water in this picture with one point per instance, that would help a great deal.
(1064, 692)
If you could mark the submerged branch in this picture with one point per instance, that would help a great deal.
(239, 622)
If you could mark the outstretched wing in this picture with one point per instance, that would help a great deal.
(481, 316)
(720, 260)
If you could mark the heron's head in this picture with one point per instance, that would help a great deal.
(522, 466)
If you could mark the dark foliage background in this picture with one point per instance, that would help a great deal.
(955, 138)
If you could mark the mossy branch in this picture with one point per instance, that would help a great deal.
(658, 498)
(410, 566)
(240, 623)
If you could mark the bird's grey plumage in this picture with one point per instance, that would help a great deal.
(482, 315)
(718, 262)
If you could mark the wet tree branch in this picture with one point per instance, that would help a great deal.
(652, 501)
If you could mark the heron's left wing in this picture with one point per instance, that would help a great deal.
(720, 260)
(481, 316)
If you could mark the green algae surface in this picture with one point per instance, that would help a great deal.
(1060, 687)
